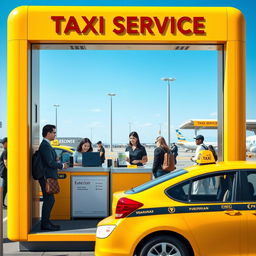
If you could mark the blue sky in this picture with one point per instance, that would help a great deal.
(79, 82)
(135, 76)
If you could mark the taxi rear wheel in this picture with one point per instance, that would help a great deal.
(164, 246)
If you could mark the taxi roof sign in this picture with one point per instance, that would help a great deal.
(55, 143)
(205, 157)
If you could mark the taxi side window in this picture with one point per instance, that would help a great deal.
(179, 192)
(211, 188)
(249, 187)
(65, 157)
(58, 152)
(62, 155)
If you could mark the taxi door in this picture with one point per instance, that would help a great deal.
(248, 207)
(209, 213)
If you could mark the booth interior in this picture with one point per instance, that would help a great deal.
(86, 191)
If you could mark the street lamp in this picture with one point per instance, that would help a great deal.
(111, 95)
(56, 115)
(130, 127)
(160, 129)
(91, 133)
(168, 79)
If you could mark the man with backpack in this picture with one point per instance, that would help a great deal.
(51, 166)
(199, 140)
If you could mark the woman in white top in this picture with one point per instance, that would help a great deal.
(84, 146)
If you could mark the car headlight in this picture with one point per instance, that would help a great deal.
(104, 231)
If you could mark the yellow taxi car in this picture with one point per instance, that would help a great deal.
(203, 210)
(63, 152)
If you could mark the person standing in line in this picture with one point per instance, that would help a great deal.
(174, 150)
(85, 145)
(101, 149)
(51, 166)
(137, 153)
(3, 169)
(199, 140)
(161, 149)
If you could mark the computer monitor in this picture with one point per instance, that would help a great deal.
(91, 159)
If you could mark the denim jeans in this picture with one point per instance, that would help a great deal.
(159, 173)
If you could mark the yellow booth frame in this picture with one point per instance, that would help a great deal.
(29, 25)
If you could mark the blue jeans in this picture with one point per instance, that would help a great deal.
(159, 173)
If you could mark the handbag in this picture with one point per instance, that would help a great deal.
(168, 164)
(52, 186)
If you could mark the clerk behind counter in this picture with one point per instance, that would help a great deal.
(84, 146)
(137, 153)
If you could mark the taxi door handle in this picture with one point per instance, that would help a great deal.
(232, 212)
(254, 212)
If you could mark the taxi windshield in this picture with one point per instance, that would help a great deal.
(156, 181)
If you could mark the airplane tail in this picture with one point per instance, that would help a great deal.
(180, 137)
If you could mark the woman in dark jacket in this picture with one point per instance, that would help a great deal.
(159, 152)
(137, 153)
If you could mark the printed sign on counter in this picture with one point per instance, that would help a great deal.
(90, 196)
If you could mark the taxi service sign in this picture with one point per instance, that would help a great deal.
(206, 123)
(130, 25)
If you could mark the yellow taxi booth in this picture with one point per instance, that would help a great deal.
(31, 28)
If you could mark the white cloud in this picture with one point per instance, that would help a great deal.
(95, 110)
(94, 124)
(146, 125)
(213, 114)
(68, 122)
(44, 121)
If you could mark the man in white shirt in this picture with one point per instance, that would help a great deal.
(199, 140)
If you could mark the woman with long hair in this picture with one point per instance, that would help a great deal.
(137, 153)
(84, 146)
(159, 152)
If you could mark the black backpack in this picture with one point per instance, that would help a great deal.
(37, 166)
(211, 148)
(2, 168)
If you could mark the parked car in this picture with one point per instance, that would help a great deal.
(203, 210)
(64, 152)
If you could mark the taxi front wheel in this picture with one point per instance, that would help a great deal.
(164, 246)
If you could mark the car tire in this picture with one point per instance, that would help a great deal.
(164, 246)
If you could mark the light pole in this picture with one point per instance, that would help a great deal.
(168, 79)
(56, 115)
(91, 134)
(130, 127)
(160, 129)
(111, 95)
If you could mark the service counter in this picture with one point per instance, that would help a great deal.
(86, 192)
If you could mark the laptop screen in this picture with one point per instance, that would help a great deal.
(91, 159)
